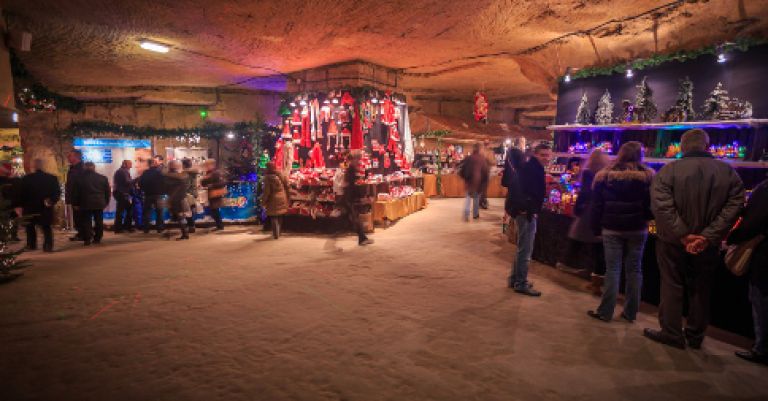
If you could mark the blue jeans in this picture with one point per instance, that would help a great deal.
(475, 197)
(626, 248)
(526, 233)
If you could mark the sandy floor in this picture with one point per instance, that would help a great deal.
(423, 314)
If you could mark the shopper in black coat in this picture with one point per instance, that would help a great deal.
(510, 179)
(755, 222)
(152, 184)
(75, 159)
(40, 192)
(91, 196)
(621, 209)
(123, 184)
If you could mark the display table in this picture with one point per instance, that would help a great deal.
(430, 185)
(731, 309)
(391, 210)
(453, 186)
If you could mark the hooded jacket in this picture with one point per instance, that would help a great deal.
(621, 199)
(697, 194)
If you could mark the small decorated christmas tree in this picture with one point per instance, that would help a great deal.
(716, 103)
(645, 108)
(682, 110)
(604, 113)
(582, 114)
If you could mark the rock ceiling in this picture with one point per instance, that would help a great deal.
(514, 49)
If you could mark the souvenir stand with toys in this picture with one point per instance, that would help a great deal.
(319, 130)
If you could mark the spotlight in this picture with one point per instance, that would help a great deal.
(154, 46)
(15, 117)
(293, 104)
(303, 102)
(721, 58)
(508, 142)
(567, 78)
(374, 100)
(230, 135)
(630, 74)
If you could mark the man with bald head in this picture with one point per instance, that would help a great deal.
(40, 192)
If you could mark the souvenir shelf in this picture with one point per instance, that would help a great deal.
(720, 124)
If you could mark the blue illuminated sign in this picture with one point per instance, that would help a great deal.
(97, 155)
(112, 143)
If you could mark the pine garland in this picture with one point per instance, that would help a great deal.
(207, 131)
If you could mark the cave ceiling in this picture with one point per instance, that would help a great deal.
(512, 49)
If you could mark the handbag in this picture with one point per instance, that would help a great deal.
(737, 257)
(512, 231)
(217, 192)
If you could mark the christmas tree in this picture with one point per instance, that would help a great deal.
(716, 103)
(582, 114)
(645, 108)
(604, 113)
(682, 110)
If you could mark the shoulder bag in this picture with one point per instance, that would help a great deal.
(737, 256)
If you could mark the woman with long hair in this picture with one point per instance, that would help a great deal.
(621, 209)
(580, 234)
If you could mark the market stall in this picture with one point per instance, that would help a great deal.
(736, 136)
(318, 133)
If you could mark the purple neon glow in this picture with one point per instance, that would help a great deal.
(660, 126)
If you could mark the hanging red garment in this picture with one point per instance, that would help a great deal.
(356, 141)
(394, 138)
(279, 153)
(386, 160)
(387, 112)
(296, 118)
(286, 129)
(306, 138)
(316, 155)
(347, 99)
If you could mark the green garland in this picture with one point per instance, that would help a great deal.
(24, 80)
(207, 131)
(742, 44)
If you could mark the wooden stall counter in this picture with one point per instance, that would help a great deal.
(453, 186)
(385, 212)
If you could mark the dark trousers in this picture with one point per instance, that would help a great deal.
(76, 218)
(353, 214)
(682, 272)
(45, 224)
(216, 215)
(123, 211)
(277, 225)
(92, 225)
(152, 202)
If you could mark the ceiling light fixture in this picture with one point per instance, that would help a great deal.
(230, 135)
(630, 74)
(567, 77)
(15, 117)
(154, 46)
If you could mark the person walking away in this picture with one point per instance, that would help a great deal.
(176, 184)
(490, 159)
(274, 198)
(696, 201)
(754, 223)
(474, 171)
(40, 192)
(11, 196)
(91, 192)
(580, 233)
(354, 198)
(532, 194)
(122, 194)
(192, 174)
(75, 159)
(217, 189)
(151, 184)
(621, 209)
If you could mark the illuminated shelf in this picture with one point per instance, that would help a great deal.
(749, 123)
(732, 162)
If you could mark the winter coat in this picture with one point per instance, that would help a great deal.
(581, 227)
(192, 181)
(36, 188)
(533, 189)
(74, 171)
(151, 182)
(91, 191)
(353, 193)
(175, 185)
(474, 171)
(274, 197)
(122, 181)
(621, 199)
(697, 194)
(755, 222)
(213, 181)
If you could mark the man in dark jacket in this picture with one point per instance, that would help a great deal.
(122, 194)
(151, 183)
(753, 224)
(91, 196)
(39, 193)
(75, 159)
(696, 201)
(533, 191)
(354, 198)
(474, 171)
